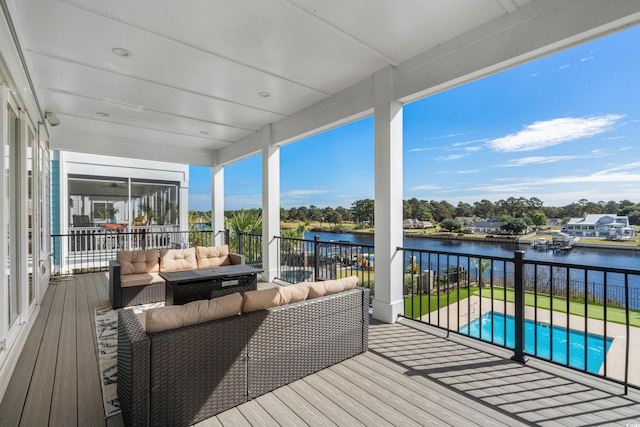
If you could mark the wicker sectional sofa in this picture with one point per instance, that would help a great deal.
(134, 278)
(184, 375)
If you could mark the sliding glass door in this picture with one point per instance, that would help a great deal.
(10, 212)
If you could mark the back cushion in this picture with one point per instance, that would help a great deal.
(212, 256)
(178, 259)
(329, 287)
(135, 262)
(272, 297)
(200, 311)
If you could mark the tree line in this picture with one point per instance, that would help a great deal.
(531, 211)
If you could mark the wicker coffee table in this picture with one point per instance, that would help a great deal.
(185, 286)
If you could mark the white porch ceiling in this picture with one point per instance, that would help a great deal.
(190, 92)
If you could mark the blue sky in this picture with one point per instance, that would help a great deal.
(561, 128)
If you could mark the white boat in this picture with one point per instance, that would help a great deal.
(563, 241)
(540, 243)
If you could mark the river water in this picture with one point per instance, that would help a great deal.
(583, 256)
(587, 257)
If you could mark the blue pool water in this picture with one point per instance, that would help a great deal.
(596, 345)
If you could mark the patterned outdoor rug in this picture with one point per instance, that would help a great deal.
(107, 334)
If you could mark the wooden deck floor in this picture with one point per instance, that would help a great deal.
(412, 375)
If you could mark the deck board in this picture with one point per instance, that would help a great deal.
(276, 410)
(256, 414)
(335, 413)
(88, 366)
(64, 404)
(382, 406)
(38, 401)
(303, 408)
(16, 394)
(412, 375)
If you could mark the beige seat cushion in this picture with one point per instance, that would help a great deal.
(140, 279)
(132, 262)
(329, 287)
(175, 316)
(178, 259)
(212, 256)
(273, 297)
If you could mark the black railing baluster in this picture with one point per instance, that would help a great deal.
(519, 308)
(551, 294)
(568, 328)
(628, 334)
(316, 257)
(604, 339)
(535, 310)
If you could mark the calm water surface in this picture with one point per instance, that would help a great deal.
(577, 255)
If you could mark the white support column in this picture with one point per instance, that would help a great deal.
(63, 209)
(183, 197)
(388, 302)
(217, 204)
(270, 205)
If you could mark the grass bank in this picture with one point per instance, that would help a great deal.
(422, 304)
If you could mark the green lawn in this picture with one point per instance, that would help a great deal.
(430, 304)
(594, 311)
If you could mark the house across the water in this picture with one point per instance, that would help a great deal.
(607, 226)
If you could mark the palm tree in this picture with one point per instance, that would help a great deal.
(242, 222)
(482, 265)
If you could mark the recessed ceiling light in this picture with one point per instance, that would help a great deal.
(204, 132)
(122, 52)
(264, 94)
(101, 114)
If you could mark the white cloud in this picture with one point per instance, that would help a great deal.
(446, 136)
(461, 144)
(620, 168)
(525, 161)
(450, 157)
(425, 187)
(419, 149)
(468, 171)
(607, 176)
(553, 132)
(538, 160)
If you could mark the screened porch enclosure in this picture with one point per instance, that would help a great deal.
(122, 200)
(110, 214)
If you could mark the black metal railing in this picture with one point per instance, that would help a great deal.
(304, 259)
(89, 250)
(249, 245)
(582, 317)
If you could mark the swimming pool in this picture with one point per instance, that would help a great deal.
(596, 346)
